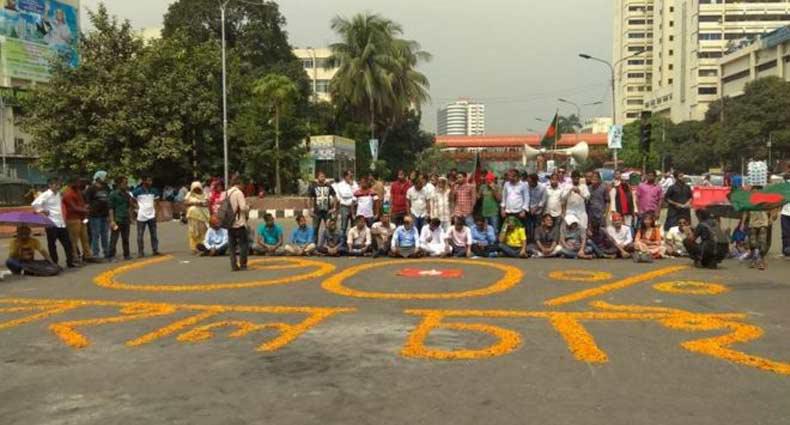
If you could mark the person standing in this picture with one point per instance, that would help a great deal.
(622, 200)
(648, 198)
(399, 208)
(344, 190)
(786, 226)
(575, 198)
(465, 197)
(146, 197)
(322, 201)
(440, 203)
(515, 197)
(97, 197)
(197, 216)
(76, 213)
(490, 197)
(417, 201)
(366, 203)
(598, 205)
(554, 203)
(537, 204)
(238, 236)
(120, 203)
(678, 198)
(50, 204)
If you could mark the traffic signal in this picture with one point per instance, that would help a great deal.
(645, 132)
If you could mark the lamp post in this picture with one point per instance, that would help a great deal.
(224, 94)
(614, 101)
(578, 108)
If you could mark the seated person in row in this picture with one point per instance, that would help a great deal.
(621, 236)
(649, 241)
(707, 245)
(547, 239)
(215, 243)
(599, 241)
(302, 239)
(484, 240)
(269, 237)
(432, 239)
(513, 239)
(359, 240)
(574, 240)
(675, 238)
(406, 240)
(22, 252)
(459, 239)
(332, 242)
(382, 236)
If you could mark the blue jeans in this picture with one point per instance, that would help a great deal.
(419, 222)
(100, 235)
(152, 231)
(532, 222)
(509, 251)
(493, 221)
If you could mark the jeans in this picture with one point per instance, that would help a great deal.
(238, 239)
(419, 223)
(152, 231)
(469, 221)
(531, 223)
(123, 233)
(345, 218)
(320, 217)
(61, 234)
(14, 265)
(484, 251)
(786, 235)
(493, 221)
(509, 251)
(99, 235)
(573, 253)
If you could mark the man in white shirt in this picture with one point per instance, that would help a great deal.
(382, 235)
(417, 201)
(359, 238)
(146, 197)
(621, 235)
(49, 204)
(786, 225)
(675, 237)
(554, 194)
(575, 198)
(515, 197)
(432, 239)
(344, 190)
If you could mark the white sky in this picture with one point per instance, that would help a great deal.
(516, 56)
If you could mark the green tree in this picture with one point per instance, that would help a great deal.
(434, 160)
(279, 93)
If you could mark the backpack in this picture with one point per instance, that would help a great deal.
(227, 217)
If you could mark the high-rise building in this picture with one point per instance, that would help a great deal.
(462, 118)
(320, 69)
(686, 40)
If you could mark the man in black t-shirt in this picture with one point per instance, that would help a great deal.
(322, 202)
(97, 196)
(678, 199)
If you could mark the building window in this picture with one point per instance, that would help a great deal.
(671, 24)
(669, 81)
(710, 36)
(636, 35)
(707, 90)
(322, 86)
(671, 52)
(307, 63)
(636, 75)
(709, 55)
(636, 62)
(708, 72)
(632, 115)
(20, 146)
(671, 67)
(636, 22)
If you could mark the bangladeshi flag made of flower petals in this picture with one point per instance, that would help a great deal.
(772, 196)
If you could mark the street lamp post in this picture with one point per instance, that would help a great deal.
(578, 108)
(613, 81)
(224, 94)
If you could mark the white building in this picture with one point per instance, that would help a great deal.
(766, 57)
(597, 125)
(320, 69)
(685, 40)
(462, 118)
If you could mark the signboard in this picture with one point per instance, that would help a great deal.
(615, 137)
(374, 149)
(33, 32)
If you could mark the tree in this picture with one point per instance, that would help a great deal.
(434, 160)
(279, 93)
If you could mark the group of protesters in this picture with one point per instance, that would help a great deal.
(571, 216)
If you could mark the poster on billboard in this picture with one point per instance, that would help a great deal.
(33, 31)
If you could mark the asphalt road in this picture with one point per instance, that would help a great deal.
(136, 351)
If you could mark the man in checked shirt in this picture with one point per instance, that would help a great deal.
(465, 197)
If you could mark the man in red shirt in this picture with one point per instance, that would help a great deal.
(398, 190)
(465, 197)
(75, 212)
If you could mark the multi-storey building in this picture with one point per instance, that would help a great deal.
(633, 33)
(320, 69)
(690, 37)
(765, 57)
(462, 118)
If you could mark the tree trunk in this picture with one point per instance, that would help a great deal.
(194, 156)
(277, 187)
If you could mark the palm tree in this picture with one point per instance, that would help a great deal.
(280, 93)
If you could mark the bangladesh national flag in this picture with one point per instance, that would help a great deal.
(770, 197)
(551, 133)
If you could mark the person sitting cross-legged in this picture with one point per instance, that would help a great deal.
(621, 235)
(513, 239)
(269, 237)
(215, 243)
(599, 240)
(432, 239)
(359, 238)
(21, 256)
(302, 239)
(573, 240)
(406, 240)
(332, 242)
(382, 232)
(484, 240)
(547, 239)
(459, 238)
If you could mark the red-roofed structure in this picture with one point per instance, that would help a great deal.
(595, 141)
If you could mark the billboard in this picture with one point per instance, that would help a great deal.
(33, 31)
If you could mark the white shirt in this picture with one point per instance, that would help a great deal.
(554, 201)
(675, 238)
(345, 192)
(145, 202)
(786, 210)
(418, 200)
(50, 202)
(358, 237)
(365, 204)
(429, 189)
(576, 204)
(621, 237)
(433, 240)
(515, 197)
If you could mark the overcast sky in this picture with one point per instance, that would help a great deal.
(516, 56)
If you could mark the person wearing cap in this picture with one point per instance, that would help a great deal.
(621, 235)
(197, 215)
(432, 239)
(215, 242)
(490, 197)
(574, 239)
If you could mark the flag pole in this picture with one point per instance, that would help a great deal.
(556, 131)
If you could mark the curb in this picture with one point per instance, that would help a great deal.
(287, 213)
